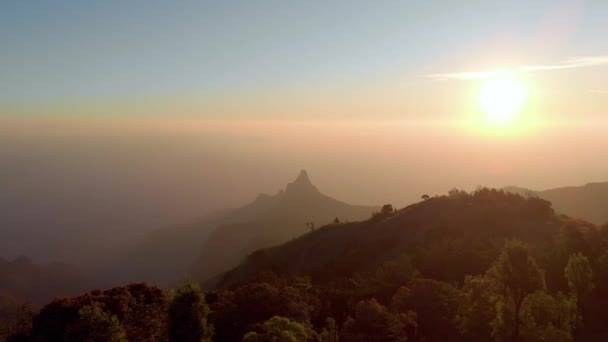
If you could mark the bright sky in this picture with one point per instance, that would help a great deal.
(296, 59)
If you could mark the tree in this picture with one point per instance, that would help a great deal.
(579, 274)
(330, 332)
(425, 197)
(373, 322)
(547, 318)
(434, 303)
(188, 313)
(517, 275)
(94, 324)
(387, 209)
(237, 312)
(280, 329)
(476, 309)
(140, 308)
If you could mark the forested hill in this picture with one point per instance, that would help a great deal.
(446, 237)
(588, 202)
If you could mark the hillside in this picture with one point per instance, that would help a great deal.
(167, 255)
(163, 256)
(38, 284)
(466, 230)
(588, 202)
(273, 219)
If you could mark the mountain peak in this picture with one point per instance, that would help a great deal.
(303, 177)
(301, 184)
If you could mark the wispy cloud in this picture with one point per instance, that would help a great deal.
(567, 64)
(598, 91)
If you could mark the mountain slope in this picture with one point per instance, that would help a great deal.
(273, 219)
(163, 256)
(38, 284)
(166, 256)
(588, 202)
(466, 231)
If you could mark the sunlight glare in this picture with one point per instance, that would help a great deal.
(501, 99)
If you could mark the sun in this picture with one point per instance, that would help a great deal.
(501, 99)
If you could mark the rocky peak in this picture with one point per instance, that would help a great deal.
(301, 185)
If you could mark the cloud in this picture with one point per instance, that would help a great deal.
(598, 91)
(567, 64)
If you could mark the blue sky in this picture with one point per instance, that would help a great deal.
(62, 52)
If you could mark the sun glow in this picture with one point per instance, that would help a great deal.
(501, 99)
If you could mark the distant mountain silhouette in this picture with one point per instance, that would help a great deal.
(588, 202)
(271, 220)
(38, 284)
(223, 239)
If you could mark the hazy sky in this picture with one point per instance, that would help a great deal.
(290, 59)
(144, 113)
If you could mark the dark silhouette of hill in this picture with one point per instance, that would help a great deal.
(38, 284)
(587, 202)
(467, 230)
(167, 255)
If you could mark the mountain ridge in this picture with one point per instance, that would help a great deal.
(586, 201)
(286, 215)
(167, 255)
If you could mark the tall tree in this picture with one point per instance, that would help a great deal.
(579, 274)
(476, 308)
(517, 275)
(188, 313)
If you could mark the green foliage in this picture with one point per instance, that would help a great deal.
(488, 304)
(94, 324)
(237, 312)
(373, 322)
(477, 308)
(140, 309)
(517, 276)
(547, 318)
(579, 275)
(188, 311)
(281, 329)
(435, 304)
(516, 272)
